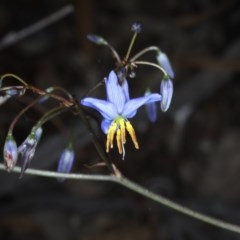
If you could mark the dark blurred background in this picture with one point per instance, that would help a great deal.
(191, 154)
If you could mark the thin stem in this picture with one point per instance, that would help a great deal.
(130, 46)
(51, 174)
(114, 52)
(67, 103)
(51, 114)
(64, 91)
(14, 37)
(94, 139)
(93, 88)
(136, 188)
(14, 76)
(145, 50)
(20, 114)
(153, 65)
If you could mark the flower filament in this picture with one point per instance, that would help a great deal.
(119, 126)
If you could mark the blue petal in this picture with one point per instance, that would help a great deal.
(105, 124)
(131, 107)
(105, 108)
(116, 94)
(163, 60)
(125, 90)
(66, 161)
(166, 89)
(151, 109)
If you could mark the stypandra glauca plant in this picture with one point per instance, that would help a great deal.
(117, 110)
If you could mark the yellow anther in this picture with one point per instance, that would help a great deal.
(119, 141)
(131, 131)
(110, 136)
(123, 130)
(119, 126)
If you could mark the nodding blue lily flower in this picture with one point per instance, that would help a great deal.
(166, 90)
(28, 147)
(66, 161)
(10, 152)
(116, 111)
(163, 61)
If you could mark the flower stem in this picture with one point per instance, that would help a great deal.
(131, 46)
(121, 180)
(7, 75)
(94, 139)
(20, 114)
(153, 65)
(142, 52)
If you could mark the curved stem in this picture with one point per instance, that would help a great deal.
(68, 94)
(153, 65)
(64, 101)
(14, 76)
(114, 52)
(119, 179)
(51, 114)
(145, 50)
(20, 114)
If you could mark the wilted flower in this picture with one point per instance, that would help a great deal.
(163, 61)
(151, 109)
(116, 111)
(10, 152)
(166, 90)
(28, 147)
(66, 160)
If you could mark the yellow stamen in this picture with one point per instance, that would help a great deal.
(110, 136)
(119, 140)
(119, 126)
(123, 130)
(131, 131)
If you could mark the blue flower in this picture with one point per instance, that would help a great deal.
(116, 111)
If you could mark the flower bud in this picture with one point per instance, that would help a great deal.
(15, 91)
(166, 90)
(66, 161)
(136, 27)
(151, 109)
(10, 152)
(163, 61)
(96, 39)
(28, 147)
